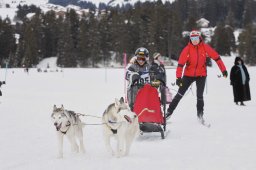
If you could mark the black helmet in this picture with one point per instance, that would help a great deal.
(142, 51)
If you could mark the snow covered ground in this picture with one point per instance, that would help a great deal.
(28, 140)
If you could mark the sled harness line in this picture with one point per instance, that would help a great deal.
(143, 110)
(80, 114)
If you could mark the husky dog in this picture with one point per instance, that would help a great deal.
(68, 123)
(119, 121)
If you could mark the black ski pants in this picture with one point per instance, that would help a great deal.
(186, 82)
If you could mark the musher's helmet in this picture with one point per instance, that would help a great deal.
(142, 51)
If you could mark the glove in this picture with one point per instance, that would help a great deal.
(225, 74)
(135, 78)
(179, 82)
(155, 83)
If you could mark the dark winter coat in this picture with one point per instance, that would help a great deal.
(138, 73)
(157, 71)
(241, 91)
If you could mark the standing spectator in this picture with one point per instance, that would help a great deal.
(240, 78)
(193, 57)
(1, 82)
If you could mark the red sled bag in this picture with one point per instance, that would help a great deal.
(147, 97)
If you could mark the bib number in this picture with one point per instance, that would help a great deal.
(144, 78)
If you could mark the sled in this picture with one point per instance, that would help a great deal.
(153, 99)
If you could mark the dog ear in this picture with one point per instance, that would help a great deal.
(54, 107)
(121, 100)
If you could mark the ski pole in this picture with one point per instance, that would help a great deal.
(125, 86)
(6, 66)
(206, 85)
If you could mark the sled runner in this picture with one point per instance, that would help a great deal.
(153, 99)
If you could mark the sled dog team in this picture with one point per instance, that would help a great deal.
(117, 121)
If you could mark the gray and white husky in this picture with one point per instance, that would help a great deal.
(119, 122)
(68, 123)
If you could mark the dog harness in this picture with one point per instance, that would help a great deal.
(127, 118)
(68, 125)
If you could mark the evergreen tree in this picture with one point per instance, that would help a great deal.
(7, 41)
(83, 45)
(32, 42)
(94, 39)
(223, 39)
(66, 56)
(247, 44)
(248, 15)
(51, 34)
(230, 19)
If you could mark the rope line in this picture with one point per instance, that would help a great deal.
(80, 114)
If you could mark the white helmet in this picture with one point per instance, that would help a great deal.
(195, 33)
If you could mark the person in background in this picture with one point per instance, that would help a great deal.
(239, 79)
(1, 83)
(137, 73)
(157, 69)
(193, 57)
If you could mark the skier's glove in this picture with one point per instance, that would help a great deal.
(179, 82)
(225, 74)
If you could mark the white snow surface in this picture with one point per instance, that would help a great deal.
(28, 140)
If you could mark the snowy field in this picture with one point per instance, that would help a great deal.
(28, 140)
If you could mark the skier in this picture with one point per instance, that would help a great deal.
(193, 57)
(239, 79)
(137, 73)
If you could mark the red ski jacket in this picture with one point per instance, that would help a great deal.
(195, 59)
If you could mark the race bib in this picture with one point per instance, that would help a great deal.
(144, 78)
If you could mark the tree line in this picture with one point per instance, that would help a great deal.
(94, 37)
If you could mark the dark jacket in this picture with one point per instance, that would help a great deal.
(241, 91)
(138, 73)
(157, 72)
